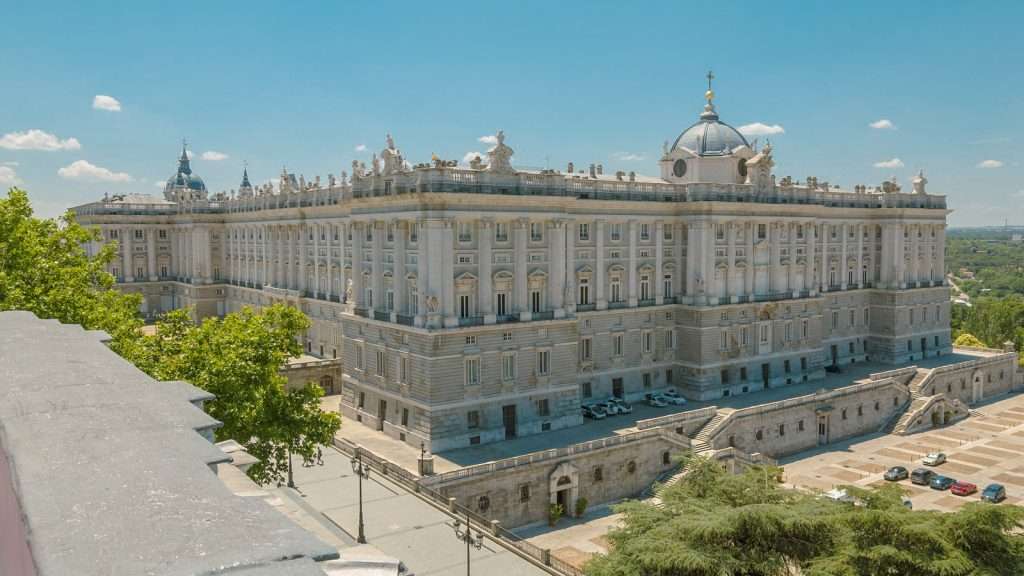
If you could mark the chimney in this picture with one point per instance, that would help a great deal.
(600, 169)
(593, 171)
(571, 168)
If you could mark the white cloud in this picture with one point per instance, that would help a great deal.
(86, 172)
(108, 103)
(470, 155)
(10, 163)
(37, 140)
(8, 177)
(894, 163)
(159, 184)
(883, 124)
(361, 148)
(990, 164)
(489, 139)
(627, 156)
(759, 129)
(214, 156)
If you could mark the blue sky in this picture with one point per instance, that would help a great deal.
(278, 84)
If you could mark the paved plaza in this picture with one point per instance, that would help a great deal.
(987, 447)
(398, 523)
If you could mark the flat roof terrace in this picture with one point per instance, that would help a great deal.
(406, 456)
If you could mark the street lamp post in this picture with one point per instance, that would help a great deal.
(471, 542)
(363, 471)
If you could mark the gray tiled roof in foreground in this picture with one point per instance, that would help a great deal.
(112, 472)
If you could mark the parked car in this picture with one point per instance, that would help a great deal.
(839, 495)
(934, 459)
(963, 488)
(623, 406)
(594, 411)
(656, 400)
(921, 476)
(940, 482)
(896, 473)
(993, 493)
(610, 408)
(673, 397)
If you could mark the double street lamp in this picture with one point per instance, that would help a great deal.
(363, 471)
(471, 541)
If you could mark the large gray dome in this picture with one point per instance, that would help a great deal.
(183, 184)
(709, 136)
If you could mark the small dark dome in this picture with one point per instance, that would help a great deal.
(710, 137)
(184, 180)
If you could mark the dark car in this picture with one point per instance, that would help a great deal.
(921, 476)
(896, 473)
(993, 493)
(940, 482)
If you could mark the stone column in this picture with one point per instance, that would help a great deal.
(915, 253)
(569, 269)
(377, 271)
(810, 235)
(558, 229)
(447, 252)
(679, 280)
(303, 247)
(293, 232)
(631, 286)
(791, 285)
(659, 281)
(751, 230)
(600, 273)
(824, 272)
(692, 270)
(860, 256)
(151, 253)
(521, 272)
(940, 252)
(126, 255)
(845, 231)
(316, 260)
(342, 278)
(901, 256)
(774, 257)
(358, 237)
(707, 258)
(730, 261)
(398, 281)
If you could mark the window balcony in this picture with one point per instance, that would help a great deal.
(471, 320)
(586, 307)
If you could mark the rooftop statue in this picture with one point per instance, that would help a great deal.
(500, 156)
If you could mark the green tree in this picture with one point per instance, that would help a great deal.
(968, 339)
(714, 523)
(237, 359)
(45, 269)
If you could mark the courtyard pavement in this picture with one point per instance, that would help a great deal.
(987, 447)
(398, 523)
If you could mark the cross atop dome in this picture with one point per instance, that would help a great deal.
(709, 108)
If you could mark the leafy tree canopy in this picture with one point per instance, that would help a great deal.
(716, 524)
(44, 268)
(967, 339)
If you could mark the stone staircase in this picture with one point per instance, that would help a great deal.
(908, 417)
(916, 384)
(702, 440)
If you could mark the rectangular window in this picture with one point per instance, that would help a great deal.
(764, 334)
(381, 363)
(647, 339)
(585, 390)
(502, 304)
(803, 329)
(359, 356)
(762, 231)
(835, 319)
(647, 380)
(501, 232)
(670, 340)
(464, 306)
(405, 417)
(465, 232)
(584, 232)
(543, 362)
(508, 366)
(615, 231)
(853, 318)
(668, 377)
(536, 231)
(472, 419)
(414, 233)
(472, 371)
(789, 331)
(743, 373)
(744, 336)
(616, 344)
(403, 369)
(667, 232)
(585, 349)
(362, 399)
(524, 493)
(645, 231)
(542, 407)
(506, 336)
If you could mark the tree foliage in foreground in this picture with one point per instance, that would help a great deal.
(237, 359)
(717, 524)
(45, 269)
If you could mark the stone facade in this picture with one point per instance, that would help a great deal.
(471, 304)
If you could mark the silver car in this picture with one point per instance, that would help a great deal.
(623, 406)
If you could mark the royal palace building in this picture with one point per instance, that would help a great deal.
(473, 303)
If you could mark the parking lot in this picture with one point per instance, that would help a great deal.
(987, 447)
